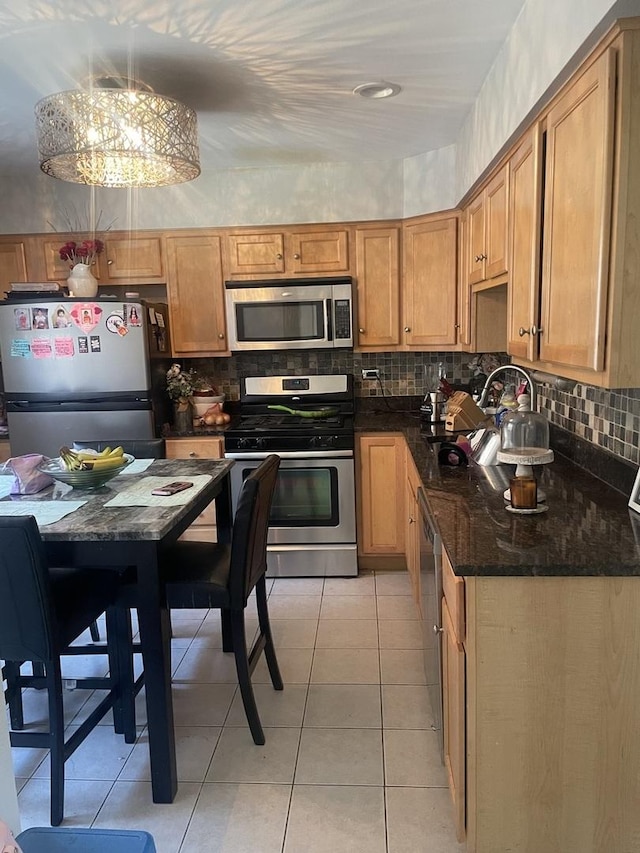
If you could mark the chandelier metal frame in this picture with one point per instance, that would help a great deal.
(115, 135)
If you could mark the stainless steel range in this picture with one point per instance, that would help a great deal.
(312, 530)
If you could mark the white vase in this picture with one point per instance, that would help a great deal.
(82, 282)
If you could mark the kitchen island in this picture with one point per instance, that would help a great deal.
(541, 670)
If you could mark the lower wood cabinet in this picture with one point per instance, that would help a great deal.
(381, 494)
(5, 450)
(412, 528)
(203, 528)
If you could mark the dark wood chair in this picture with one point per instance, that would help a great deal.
(42, 611)
(221, 576)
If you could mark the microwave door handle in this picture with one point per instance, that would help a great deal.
(328, 318)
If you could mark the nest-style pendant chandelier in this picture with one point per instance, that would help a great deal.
(117, 133)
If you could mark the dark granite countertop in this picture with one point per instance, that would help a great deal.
(588, 529)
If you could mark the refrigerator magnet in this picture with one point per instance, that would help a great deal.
(20, 348)
(94, 341)
(116, 325)
(42, 348)
(134, 317)
(22, 319)
(86, 315)
(83, 345)
(63, 347)
(61, 318)
(39, 319)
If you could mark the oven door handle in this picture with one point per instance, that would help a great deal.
(291, 454)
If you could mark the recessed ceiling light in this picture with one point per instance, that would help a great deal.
(377, 90)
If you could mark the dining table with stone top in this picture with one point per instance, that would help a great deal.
(121, 525)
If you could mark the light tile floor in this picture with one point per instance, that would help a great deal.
(350, 763)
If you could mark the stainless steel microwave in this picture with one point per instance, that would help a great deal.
(280, 314)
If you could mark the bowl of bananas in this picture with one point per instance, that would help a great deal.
(87, 469)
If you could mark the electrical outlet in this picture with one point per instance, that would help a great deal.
(371, 374)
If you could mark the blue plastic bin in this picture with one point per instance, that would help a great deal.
(55, 839)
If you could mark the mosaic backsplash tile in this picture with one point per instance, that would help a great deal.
(608, 419)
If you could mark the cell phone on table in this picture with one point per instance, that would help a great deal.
(171, 488)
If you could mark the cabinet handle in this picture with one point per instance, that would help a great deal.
(483, 257)
(456, 325)
(536, 330)
(192, 453)
(522, 331)
(437, 630)
(407, 329)
(109, 262)
(297, 256)
(478, 258)
(279, 256)
(361, 331)
(220, 336)
(412, 520)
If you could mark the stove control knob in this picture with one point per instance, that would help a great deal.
(244, 442)
(260, 443)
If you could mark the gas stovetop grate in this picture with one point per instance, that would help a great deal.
(279, 422)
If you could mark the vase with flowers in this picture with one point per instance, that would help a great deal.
(181, 385)
(80, 256)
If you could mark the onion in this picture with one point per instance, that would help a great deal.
(210, 420)
(219, 420)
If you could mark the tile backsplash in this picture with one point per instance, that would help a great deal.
(608, 419)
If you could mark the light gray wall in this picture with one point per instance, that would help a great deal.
(429, 182)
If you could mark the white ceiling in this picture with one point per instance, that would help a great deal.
(270, 80)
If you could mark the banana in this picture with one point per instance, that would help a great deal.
(105, 452)
(70, 459)
(118, 451)
(97, 464)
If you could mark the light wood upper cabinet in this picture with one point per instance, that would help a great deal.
(525, 205)
(195, 293)
(288, 252)
(430, 284)
(577, 215)
(13, 264)
(134, 260)
(381, 494)
(487, 239)
(55, 269)
(378, 288)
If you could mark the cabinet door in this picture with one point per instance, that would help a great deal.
(381, 494)
(524, 248)
(454, 718)
(13, 264)
(496, 236)
(133, 258)
(412, 529)
(430, 284)
(577, 211)
(475, 240)
(378, 287)
(203, 528)
(464, 289)
(196, 298)
(316, 252)
(256, 253)
(56, 268)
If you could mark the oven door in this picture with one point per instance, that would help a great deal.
(312, 526)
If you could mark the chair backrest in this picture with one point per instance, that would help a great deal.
(250, 529)
(141, 448)
(26, 621)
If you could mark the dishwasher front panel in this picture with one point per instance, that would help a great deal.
(431, 592)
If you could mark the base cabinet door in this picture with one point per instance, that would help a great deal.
(454, 718)
(381, 495)
(203, 528)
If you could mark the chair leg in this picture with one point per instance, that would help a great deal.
(11, 671)
(119, 647)
(227, 639)
(95, 632)
(244, 676)
(57, 748)
(265, 630)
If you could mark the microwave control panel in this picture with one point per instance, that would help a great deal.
(342, 319)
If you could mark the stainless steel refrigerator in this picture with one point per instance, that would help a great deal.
(78, 369)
